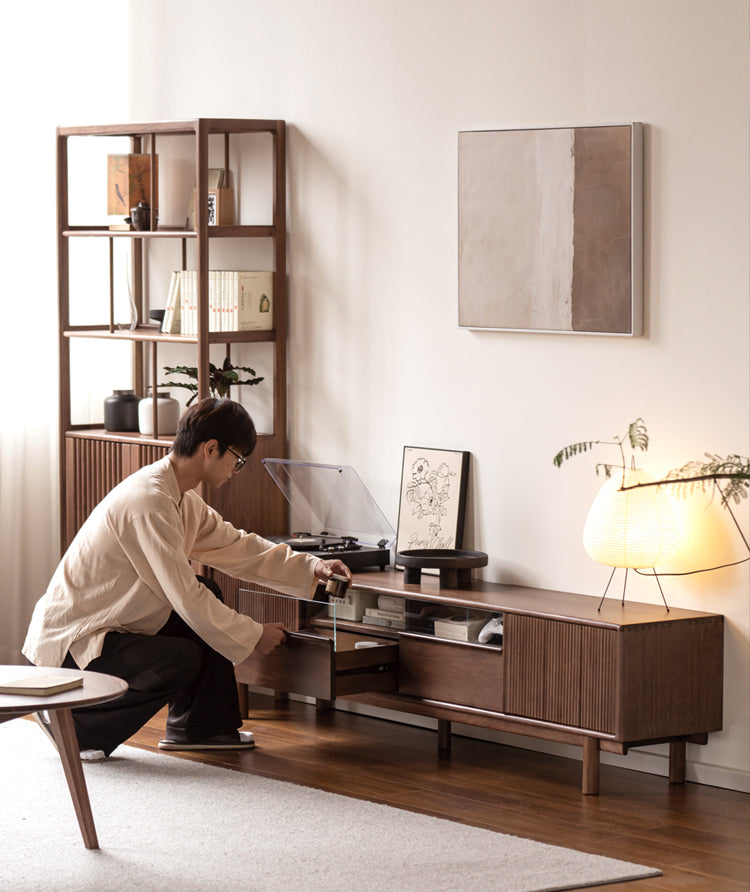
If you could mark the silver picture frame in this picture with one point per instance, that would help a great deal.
(550, 229)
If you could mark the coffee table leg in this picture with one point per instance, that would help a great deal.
(61, 721)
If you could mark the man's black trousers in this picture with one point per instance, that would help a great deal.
(174, 667)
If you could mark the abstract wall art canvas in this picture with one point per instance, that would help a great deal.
(549, 229)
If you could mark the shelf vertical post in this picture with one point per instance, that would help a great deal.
(201, 226)
(227, 184)
(111, 283)
(136, 278)
(153, 185)
(280, 285)
(63, 303)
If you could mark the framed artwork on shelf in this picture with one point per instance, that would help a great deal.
(550, 229)
(432, 500)
(129, 181)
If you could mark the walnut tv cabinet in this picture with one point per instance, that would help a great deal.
(612, 679)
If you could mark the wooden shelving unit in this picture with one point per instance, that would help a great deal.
(93, 460)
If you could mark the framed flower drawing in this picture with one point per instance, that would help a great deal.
(432, 500)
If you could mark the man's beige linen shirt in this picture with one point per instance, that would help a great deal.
(129, 567)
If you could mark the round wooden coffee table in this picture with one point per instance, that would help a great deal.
(97, 688)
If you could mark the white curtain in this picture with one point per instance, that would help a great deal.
(56, 69)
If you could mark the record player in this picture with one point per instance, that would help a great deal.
(333, 513)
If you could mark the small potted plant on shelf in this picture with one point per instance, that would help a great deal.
(220, 379)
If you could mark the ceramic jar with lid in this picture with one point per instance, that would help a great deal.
(121, 411)
(167, 414)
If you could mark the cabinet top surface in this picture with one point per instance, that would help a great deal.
(564, 606)
(192, 126)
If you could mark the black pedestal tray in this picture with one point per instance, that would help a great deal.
(455, 566)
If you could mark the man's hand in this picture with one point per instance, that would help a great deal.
(273, 635)
(326, 569)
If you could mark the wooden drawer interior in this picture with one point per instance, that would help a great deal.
(308, 664)
(451, 672)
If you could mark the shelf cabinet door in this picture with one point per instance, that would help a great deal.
(671, 679)
(560, 672)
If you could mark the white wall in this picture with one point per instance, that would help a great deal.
(57, 67)
(375, 92)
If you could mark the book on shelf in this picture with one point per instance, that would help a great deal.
(172, 315)
(238, 300)
(459, 629)
(385, 614)
(369, 620)
(215, 181)
(254, 311)
(391, 602)
(41, 685)
(215, 177)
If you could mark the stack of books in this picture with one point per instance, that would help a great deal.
(390, 612)
(238, 300)
(460, 629)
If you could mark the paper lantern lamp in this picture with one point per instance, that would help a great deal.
(631, 528)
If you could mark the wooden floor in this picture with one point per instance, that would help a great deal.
(698, 836)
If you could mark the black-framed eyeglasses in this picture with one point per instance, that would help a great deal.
(240, 463)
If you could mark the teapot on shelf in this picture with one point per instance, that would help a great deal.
(140, 217)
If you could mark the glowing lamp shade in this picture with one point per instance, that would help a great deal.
(634, 528)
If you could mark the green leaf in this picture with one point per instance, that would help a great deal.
(638, 435)
(220, 379)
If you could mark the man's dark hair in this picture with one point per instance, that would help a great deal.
(222, 420)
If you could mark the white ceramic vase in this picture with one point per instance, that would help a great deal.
(167, 415)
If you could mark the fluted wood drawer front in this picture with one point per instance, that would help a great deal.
(560, 672)
(451, 672)
(308, 664)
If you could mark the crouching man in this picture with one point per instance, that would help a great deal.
(124, 600)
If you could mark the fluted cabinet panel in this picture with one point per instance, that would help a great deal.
(598, 678)
(93, 467)
(559, 672)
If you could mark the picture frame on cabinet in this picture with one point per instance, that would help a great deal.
(432, 499)
(550, 229)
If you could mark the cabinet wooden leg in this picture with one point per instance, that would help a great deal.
(61, 722)
(242, 696)
(444, 734)
(322, 704)
(590, 782)
(677, 762)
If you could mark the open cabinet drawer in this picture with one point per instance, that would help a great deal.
(324, 665)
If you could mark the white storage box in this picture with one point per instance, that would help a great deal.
(352, 606)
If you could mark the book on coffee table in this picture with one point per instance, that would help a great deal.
(41, 685)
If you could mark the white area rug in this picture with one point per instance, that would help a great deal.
(166, 823)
